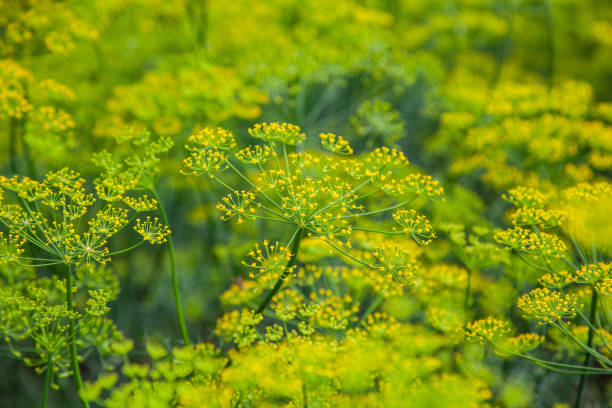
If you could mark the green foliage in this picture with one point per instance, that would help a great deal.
(284, 162)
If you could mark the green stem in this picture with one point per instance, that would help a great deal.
(48, 377)
(26, 153)
(600, 357)
(126, 249)
(587, 357)
(13, 144)
(529, 263)
(393, 207)
(76, 372)
(550, 68)
(175, 285)
(304, 394)
(295, 247)
(373, 306)
(375, 231)
(468, 293)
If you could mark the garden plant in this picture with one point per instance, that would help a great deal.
(283, 203)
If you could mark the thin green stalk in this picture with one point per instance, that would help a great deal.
(295, 247)
(12, 145)
(468, 293)
(249, 182)
(550, 29)
(378, 231)
(504, 50)
(559, 367)
(373, 306)
(393, 207)
(76, 372)
(359, 261)
(578, 249)
(175, 285)
(38, 265)
(48, 377)
(529, 263)
(587, 357)
(126, 249)
(600, 357)
(26, 152)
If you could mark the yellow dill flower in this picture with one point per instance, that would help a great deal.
(594, 273)
(414, 224)
(326, 310)
(287, 304)
(52, 119)
(395, 263)
(335, 144)
(285, 133)
(108, 221)
(13, 102)
(152, 230)
(268, 261)
(141, 203)
(272, 179)
(521, 344)
(10, 247)
(381, 325)
(239, 326)
(240, 205)
(255, 154)
(557, 280)
(526, 216)
(440, 277)
(206, 161)
(587, 191)
(424, 185)
(87, 247)
(547, 306)
(216, 139)
(56, 90)
(487, 330)
(110, 188)
(526, 197)
(537, 244)
(604, 287)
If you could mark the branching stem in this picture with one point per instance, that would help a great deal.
(74, 359)
(175, 285)
(295, 247)
(48, 377)
(587, 356)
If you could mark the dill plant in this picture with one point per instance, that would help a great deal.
(322, 196)
(61, 223)
(137, 169)
(573, 267)
(361, 306)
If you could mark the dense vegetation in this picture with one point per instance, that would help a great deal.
(304, 203)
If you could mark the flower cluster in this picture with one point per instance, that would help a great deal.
(335, 144)
(53, 215)
(547, 306)
(323, 196)
(416, 225)
(539, 244)
(268, 261)
(487, 330)
(152, 230)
